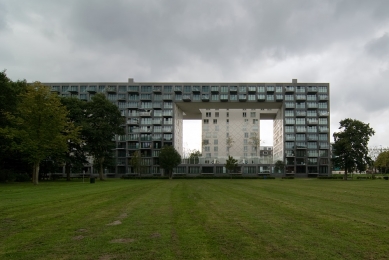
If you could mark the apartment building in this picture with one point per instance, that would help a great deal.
(155, 112)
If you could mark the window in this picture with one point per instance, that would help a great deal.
(215, 121)
(289, 129)
(244, 114)
(215, 142)
(300, 121)
(252, 114)
(323, 89)
(206, 149)
(187, 89)
(255, 121)
(245, 141)
(228, 121)
(323, 121)
(228, 114)
(246, 135)
(216, 114)
(205, 121)
(167, 89)
(208, 114)
(246, 121)
(216, 128)
(215, 149)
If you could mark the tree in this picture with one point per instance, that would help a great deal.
(75, 156)
(40, 126)
(382, 161)
(137, 163)
(10, 160)
(231, 164)
(255, 142)
(169, 158)
(229, 143)
(279, 166)
(103, 121)
(351, 145)
(194, 156)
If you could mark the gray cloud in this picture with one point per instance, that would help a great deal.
(379, 47)
(344, 42)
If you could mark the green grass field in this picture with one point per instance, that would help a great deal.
(195, 219)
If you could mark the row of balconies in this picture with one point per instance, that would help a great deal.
(303, 129)
(301, 113)
(186, 89)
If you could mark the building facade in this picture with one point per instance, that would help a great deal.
(155, 112)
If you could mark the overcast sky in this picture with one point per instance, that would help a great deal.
(343, 42)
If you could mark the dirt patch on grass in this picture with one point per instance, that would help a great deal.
(122, 240)
(78, 237)
(82, 230)
(155, 235)
(124, 215)
(115, 223)
(105, 257)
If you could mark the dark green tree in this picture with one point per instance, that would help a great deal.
(103, 122)
(231, 164)
(194, 156)
(169, 158)
(75, 156)
(39, 126)
(10, 160)
(279, 166)
(350, 149)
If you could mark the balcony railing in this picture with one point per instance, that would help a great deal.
(324, 113)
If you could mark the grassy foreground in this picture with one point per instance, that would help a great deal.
(195, 219)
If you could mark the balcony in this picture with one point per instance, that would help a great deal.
(301, 113)
(186, 97)
(92, 89)
(177, 89)
(324, 113)
(111, 89)
(205, 97)
(157, 105)
(167, 97)
(311, 89)
(301, 129)
(214, 89)
(55, 89)
(242, 89)
(242, 97)
(289, 89)
(323, 129)
(223, 97)
(196, 89)
(132, 104)
(252, 89)
(145, 113)
(324, 146)
(167, 113)
(233, 89)
(157, 89)
(323, 97)
(312, 105)
(312, 121)
(289, 154)
(133, 121)
(157, 121)
(279, 97)
(73, 89)
(261, 97)
(270, 89)
(301, 97)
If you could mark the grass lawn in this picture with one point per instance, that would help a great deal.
(195, 219)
